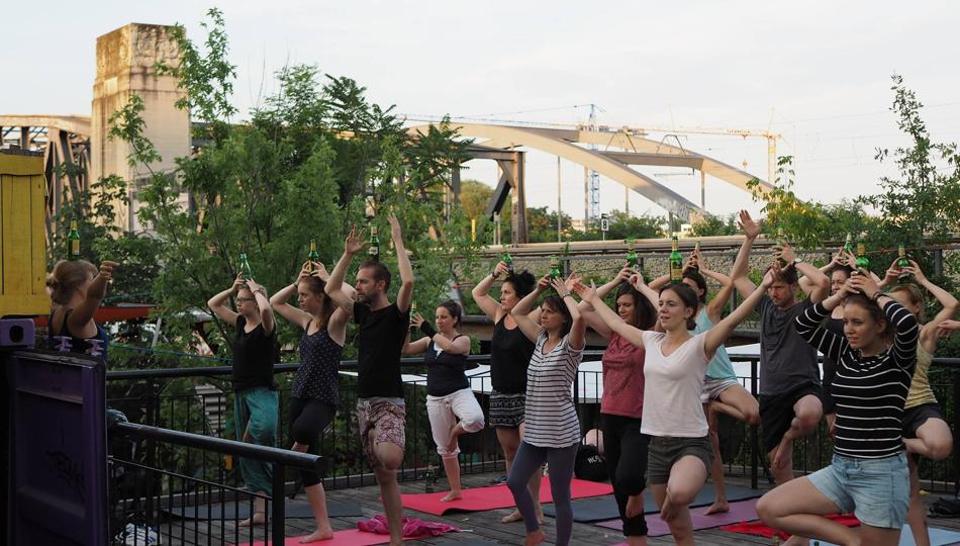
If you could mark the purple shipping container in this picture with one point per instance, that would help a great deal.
(58, 461)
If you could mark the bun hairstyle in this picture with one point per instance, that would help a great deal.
(523, 282)
(454, 309)
(67, 276)
(696, 277)
(689, 299)
(644, 315)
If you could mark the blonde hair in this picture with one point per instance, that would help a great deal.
(66, 277)
(914, 295)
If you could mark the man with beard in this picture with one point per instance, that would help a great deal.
(382, 332)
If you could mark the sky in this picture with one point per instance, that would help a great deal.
(817, 73)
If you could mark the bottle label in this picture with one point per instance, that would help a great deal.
(75, 247)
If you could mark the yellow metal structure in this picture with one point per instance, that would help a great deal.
(23, 245)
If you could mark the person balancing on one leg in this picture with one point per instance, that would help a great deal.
(382, 334)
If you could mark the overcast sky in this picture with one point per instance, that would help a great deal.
(816, 72)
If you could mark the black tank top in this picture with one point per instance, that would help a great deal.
(316, 377)
(510, 353)
(65, 342)
(444, 371)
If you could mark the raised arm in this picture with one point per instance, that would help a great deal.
(839, 259)
(83, 313)
(818, 285)
(716, 305)
(717, 335)
(587, 312)
(279, 300)
(263, 303)
(611, 319)
(481, 292)
(218, 303)
(906, 329)
(420, 345)
(405, 294)
(521, 311)
(928, 334)
(334, 288)
(578, 328)
(741, 266)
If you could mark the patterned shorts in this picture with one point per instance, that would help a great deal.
(386, 417)
(507, 410)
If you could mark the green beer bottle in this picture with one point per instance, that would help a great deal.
(848, 245)
(373, 251)
(903, 262)
(862, 262)
(313, 256)
(555, 267)
(507, 259)
(632, 258)
(676, 261)
(73, 240)
(246, 272)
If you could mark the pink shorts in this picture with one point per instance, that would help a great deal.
(386, 417)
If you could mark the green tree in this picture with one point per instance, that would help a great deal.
(712, 225)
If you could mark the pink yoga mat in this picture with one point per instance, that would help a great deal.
(349, 537)
(739, 512)
(495, 496)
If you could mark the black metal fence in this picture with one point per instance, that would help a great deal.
(152, 504)
(199, 400)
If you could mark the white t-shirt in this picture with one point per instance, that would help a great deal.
(671, 395)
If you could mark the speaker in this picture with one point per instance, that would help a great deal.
(17, 332)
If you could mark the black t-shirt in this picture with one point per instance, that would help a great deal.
(510, 353)
(380, 340)
(444, 371)
(254, 354)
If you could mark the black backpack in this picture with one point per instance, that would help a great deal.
(590, 465)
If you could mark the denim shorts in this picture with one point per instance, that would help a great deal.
(877, 491)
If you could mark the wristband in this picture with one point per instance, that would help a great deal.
(876, 295)
(427, 329)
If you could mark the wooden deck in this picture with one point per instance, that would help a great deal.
(484, 526)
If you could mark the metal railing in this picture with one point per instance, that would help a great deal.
(150, 502)
(162, 397)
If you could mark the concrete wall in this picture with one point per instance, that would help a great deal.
(125, 65)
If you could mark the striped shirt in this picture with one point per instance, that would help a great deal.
(869, 391)
(551, 418)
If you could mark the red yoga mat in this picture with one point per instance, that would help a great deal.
(495, 496)
(349, 537)
(758, 528)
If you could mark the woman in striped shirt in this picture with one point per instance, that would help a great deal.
(552, 431)
(868, 474)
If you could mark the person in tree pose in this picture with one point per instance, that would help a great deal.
(868, 474)
(452, 408)
(383, 326)
(315, 394)
(674, 373)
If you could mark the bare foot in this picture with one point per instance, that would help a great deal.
(512, 517)
(318, 535)
(534, 538)
(634, 506)
(718, 507)
(780, 458)
(451, 496)
(259, 518)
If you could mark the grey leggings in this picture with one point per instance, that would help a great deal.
(529, 459)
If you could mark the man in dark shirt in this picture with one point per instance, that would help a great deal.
(790, 405)
(383, 330)
(255, 395)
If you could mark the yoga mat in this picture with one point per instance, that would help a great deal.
(492, 497)
(294, 509)
(349, 537)
(758, 528)
(741, 511)
(605, 508)
(466, 542)
(938, 537)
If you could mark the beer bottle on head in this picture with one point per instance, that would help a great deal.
(632, 258)
(507, 259)
(862, 262)
(373, 251)
(246, 272)
(903, 262)
(73, 241)
(848, 245)
(555, 271)
(313, 256)
(676, 261)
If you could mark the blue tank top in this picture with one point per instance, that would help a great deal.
(720, 367)
(65, 342)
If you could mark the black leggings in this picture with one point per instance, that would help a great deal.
(625, 450)
(308, 418)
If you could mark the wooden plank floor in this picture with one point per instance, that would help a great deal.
(476, 525)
